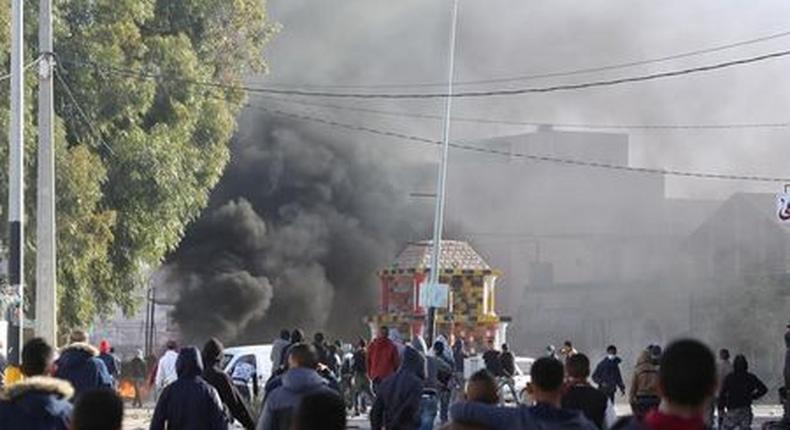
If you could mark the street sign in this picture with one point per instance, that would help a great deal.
(434, 295)
(783, 206)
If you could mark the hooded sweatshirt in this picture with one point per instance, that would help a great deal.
(645, 381)
(228, 393)
(397, 404)
(539, 417)
(189, 403)
(79, 364)
(283, 400)
(37, 403)
(740, 387)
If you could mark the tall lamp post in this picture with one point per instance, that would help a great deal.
(438, 220)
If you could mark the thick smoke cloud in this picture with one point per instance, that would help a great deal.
(293, 236)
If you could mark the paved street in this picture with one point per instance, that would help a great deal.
(138, 419)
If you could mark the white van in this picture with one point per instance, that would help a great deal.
(257, 355)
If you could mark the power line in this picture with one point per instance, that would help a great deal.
(434, 95)
(724, 126)
(531, 157)
(27, 66)
(81, 112)
(557, 74)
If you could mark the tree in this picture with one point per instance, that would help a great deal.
(136, 164)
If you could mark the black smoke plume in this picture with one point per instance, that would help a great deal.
(292, 237)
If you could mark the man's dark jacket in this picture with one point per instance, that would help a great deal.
(189, 403)
(228, 393)
(36, 403)
(79, 364)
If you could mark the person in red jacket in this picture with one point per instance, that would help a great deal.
(383, 359)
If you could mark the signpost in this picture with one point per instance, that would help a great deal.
(434, 295)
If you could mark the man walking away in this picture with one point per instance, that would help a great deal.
(383, 358)
(37, 402)
(397, 404)
(545, 388)
(166, 369)
(360, 393)
(137, 372)
(508, 366)
(217, 378)
(738, 390)
(445, 376)
(106, 356)
(491, 359)
(724, 368)
(607, 374)
(688, 382)
(581, 396)
(299, 381)
(278, 346)
(189, 402)
(79, 364)
(644, 391)
(100, 409)
(320, 411)
(322, 350)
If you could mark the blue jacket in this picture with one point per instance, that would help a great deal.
(283, 400)
(397, 404)
(79, 364)
(607, 374)
(189, 403)
(109, 363)
(36, 403)
(538, 417)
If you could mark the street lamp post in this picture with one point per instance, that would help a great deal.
(438, 220)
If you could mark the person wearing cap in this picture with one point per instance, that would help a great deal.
(106, 356)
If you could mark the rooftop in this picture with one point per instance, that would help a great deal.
(456, 255)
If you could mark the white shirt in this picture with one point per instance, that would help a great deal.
(166, 370)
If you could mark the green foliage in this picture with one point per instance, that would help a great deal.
(121, 210)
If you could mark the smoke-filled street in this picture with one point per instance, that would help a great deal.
(394, 215)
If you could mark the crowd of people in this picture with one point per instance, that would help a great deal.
(400, 384)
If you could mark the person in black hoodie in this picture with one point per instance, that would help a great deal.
(581, 396)
(738, 390)
(397, 404)
(189, 403)
(37, 402)
(228, 393)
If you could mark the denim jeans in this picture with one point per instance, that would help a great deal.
(429, 406)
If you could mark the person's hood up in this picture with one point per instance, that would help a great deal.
(302, 380)
(413, 362)
(418, 343)
(104, 346)
(139, 354)
(212, 352)
(189, 364)
(39, 384)
(740, 365)
(76, 354)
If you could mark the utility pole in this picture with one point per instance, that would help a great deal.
(46, 255)
(16, 153)
(438, 220)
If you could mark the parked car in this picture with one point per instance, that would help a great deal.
(256, 355)
(522, 378)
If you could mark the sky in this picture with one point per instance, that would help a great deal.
(373, 42)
